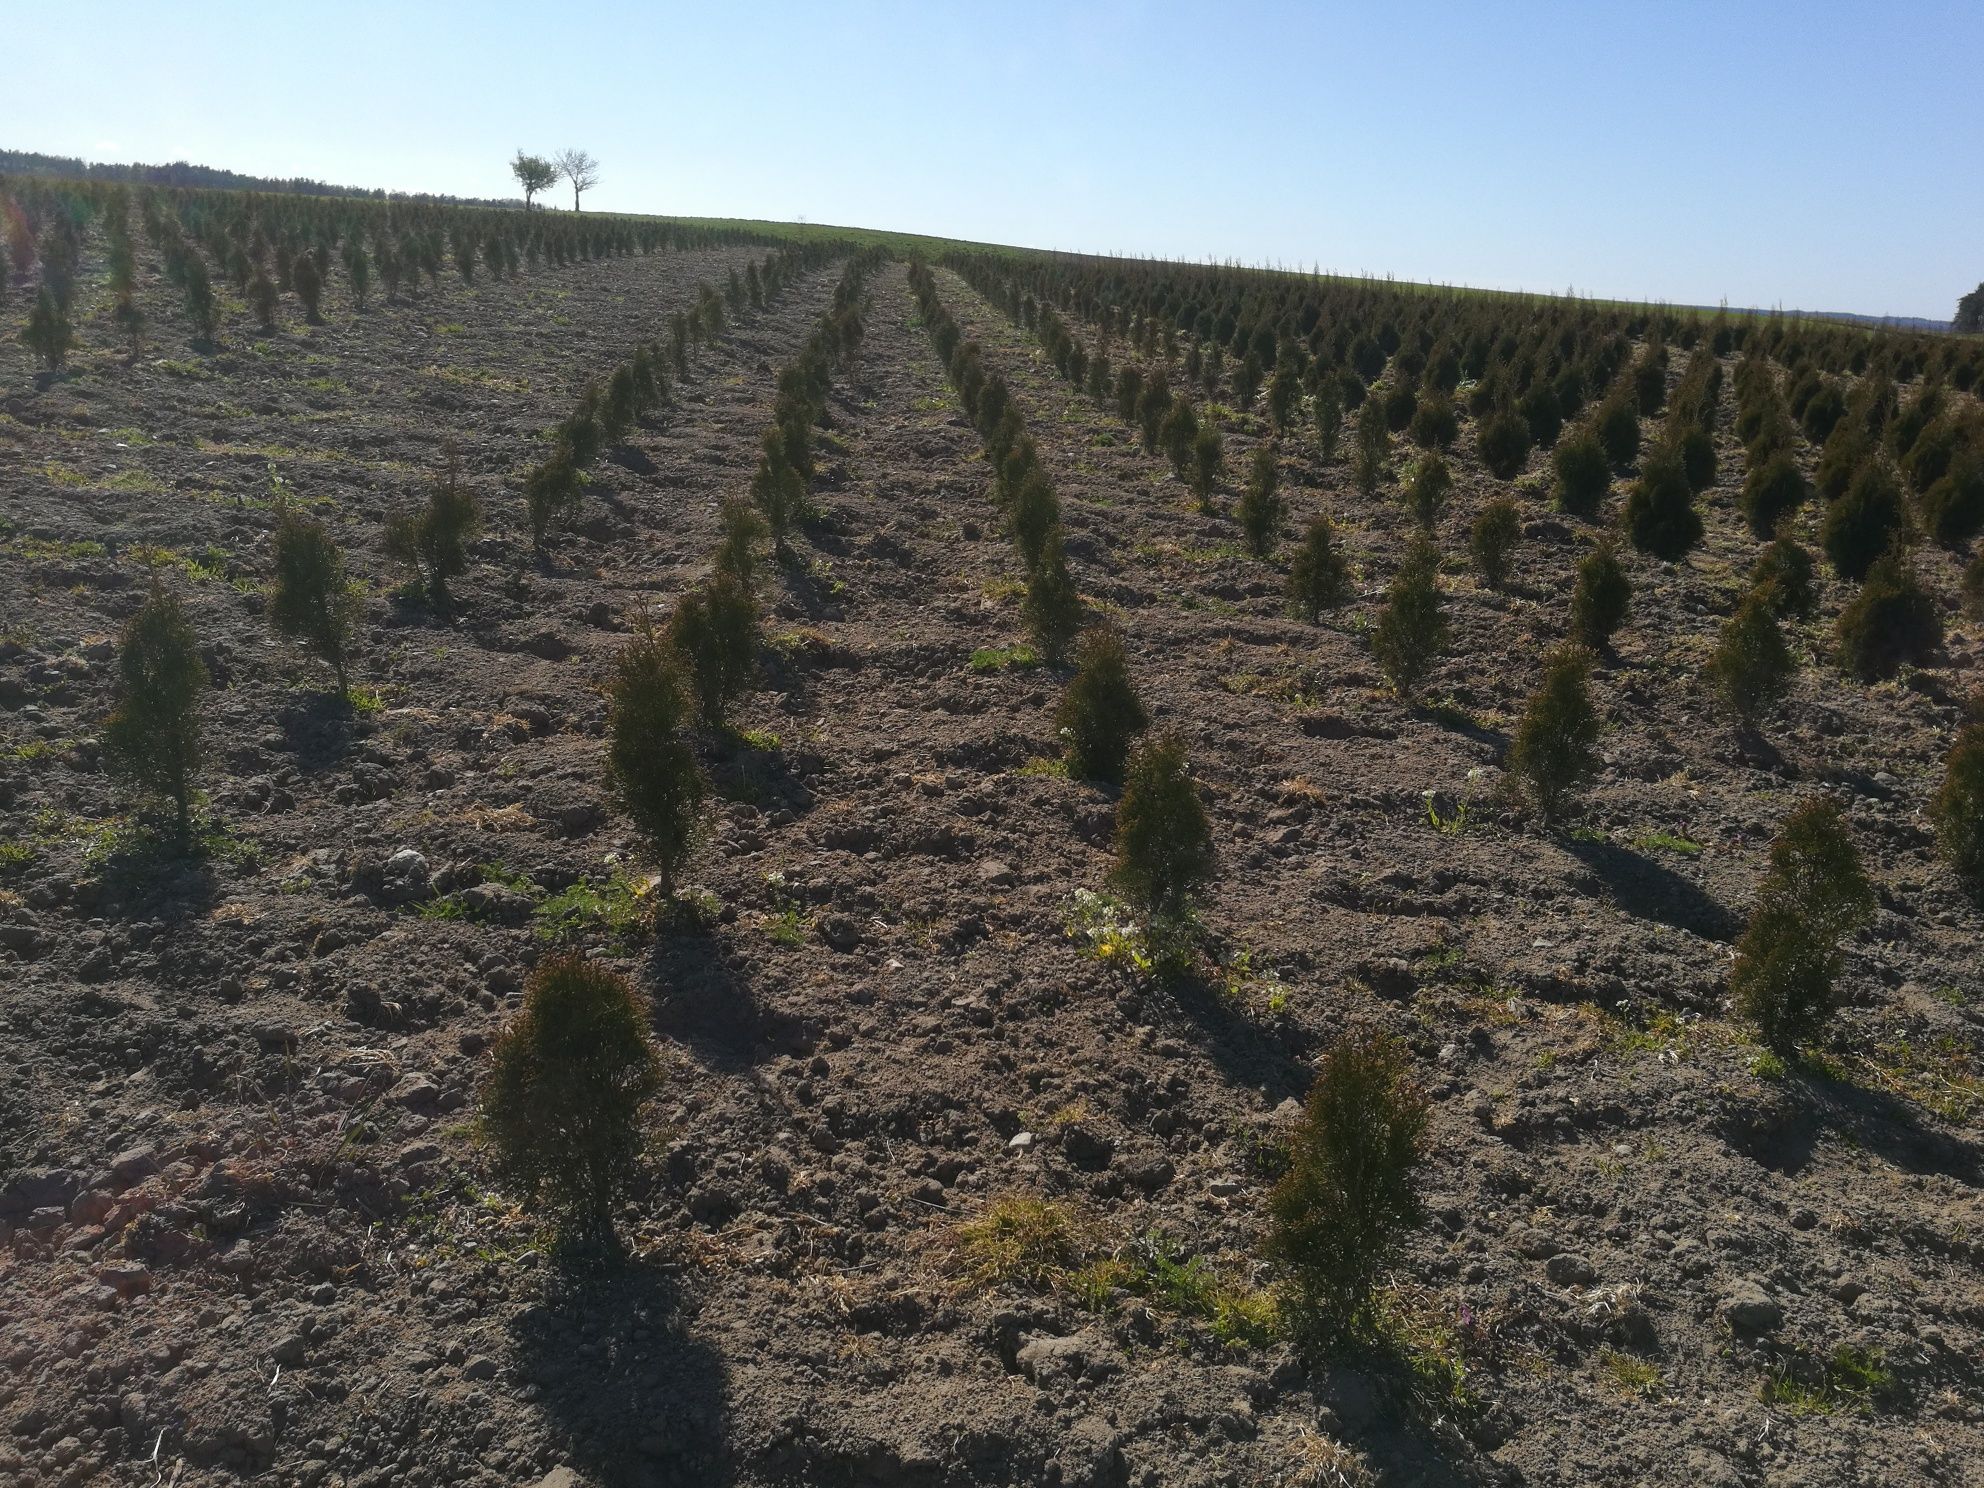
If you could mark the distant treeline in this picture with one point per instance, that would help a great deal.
(184, 173)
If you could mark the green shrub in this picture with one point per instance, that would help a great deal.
(1412, 628)
(714, 630)
(1555, 749)
(129, 319)
(1100, 712)
(202, 306)
(1772, 490)
(49, 334)
(1260, 509)
(262, 299)
(309, 286)
(1864, 523)
(1504, 443)
(1373, 446)
(1052, 608)
(1327, 415)
(778, 490)
(1599, 598)
(1785, 575)
(1493, 539)
(358, 271)
(1208, 464)
(1618, 429)
(1583, 476)
(1891, 620)
(311, 598)
(1340, 1214)
(1400, 402)
(1813, 895)
(1163, 839)
(1822, 413)
(1650, 380)
(551, 490)
(1751, 668)
(1176, 434)
(433, 541)
(1660, 510)
(1434, 425)
(1427, 491)
(1319, 578)
(650, 767)
(1152, 405)
(1953, 506)
(1958, 809)
(152, 737)
(737, 549)
(1035, 512)
(562, 1102)
(1543, 414)
(1697, 451)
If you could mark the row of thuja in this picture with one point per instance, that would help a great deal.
(267, 247)
(153, 734)
(1553, 750)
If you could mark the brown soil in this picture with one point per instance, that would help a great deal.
(246, 1231)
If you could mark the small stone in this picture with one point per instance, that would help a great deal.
(290, 1349)
(1567, 1269)
(1748, 1308)
(1087, 1149)
(414, 1090)
(997, 874)
(126, 1278)
(481, 1367)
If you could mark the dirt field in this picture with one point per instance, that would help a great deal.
(246, 1233)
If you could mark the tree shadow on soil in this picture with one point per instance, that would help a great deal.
(703, 1002)
(811, 589)
(1783, 1133)
(1651, 891)
(150, 872)
(766, 778)
(1273, 1060)
(637, 1397)
(1371, 1394)
(318, 730)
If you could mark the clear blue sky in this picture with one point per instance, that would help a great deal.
(1819, 156)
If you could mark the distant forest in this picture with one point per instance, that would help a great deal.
(184, 173)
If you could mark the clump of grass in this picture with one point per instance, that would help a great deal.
(1848, 1378)
(1001, 658)
(1017, 1241)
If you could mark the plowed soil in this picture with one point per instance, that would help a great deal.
(247, 1232)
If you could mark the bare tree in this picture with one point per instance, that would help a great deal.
(534, 173)
(580, 169)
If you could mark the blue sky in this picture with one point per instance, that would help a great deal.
(1819, 156)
